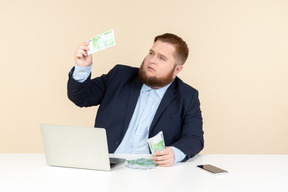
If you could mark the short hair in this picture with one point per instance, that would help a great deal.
(182, 50)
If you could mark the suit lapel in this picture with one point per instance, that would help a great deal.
(134, 92)
(168, 97)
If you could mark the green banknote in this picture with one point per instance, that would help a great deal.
(157, 143)
(101, 41)
(141, 163)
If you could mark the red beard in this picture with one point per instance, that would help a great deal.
(155, 82)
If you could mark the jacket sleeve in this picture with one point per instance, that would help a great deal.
(90, 92)
(191, 141)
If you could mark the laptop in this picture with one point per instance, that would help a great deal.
(77, 147)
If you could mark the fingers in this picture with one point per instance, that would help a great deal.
(81, 56)
(163, 152)
(164, 158)
(163, 162)
(82, 50)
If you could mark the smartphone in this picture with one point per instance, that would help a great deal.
(212, 169)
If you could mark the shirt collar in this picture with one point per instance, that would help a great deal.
(160, 92)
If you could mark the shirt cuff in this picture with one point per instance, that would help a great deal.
(80, 74)
(178, 155)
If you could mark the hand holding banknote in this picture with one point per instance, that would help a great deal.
(81, 57)
(164, 158)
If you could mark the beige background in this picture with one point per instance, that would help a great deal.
(238, 62)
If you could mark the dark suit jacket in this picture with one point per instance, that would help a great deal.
(178, 114)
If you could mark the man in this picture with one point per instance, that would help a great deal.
(136, 104)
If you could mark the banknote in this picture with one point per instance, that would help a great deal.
(157, 143)
(101, 41)
(141, 163)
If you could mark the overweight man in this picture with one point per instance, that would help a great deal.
(137, 103)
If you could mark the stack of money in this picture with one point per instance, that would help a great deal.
(157, 143)
(141, 163)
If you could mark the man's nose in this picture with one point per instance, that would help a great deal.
(153, 59)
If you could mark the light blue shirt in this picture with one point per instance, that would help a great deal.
(81, 73)
(136, 137)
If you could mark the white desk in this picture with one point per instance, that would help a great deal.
(29, 172)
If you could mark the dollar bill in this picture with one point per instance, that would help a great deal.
(101, 41)
(157, 143)
(141, 163)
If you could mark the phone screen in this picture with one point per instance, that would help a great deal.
(212, 169)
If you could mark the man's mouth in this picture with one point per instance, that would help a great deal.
(151, 68)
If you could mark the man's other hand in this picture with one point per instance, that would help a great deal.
(164, 158)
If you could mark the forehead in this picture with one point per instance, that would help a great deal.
(164, 48)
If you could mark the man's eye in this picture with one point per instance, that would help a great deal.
(162, 58)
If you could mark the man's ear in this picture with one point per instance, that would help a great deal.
(177, 70)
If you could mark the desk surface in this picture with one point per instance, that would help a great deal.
(29, 172)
